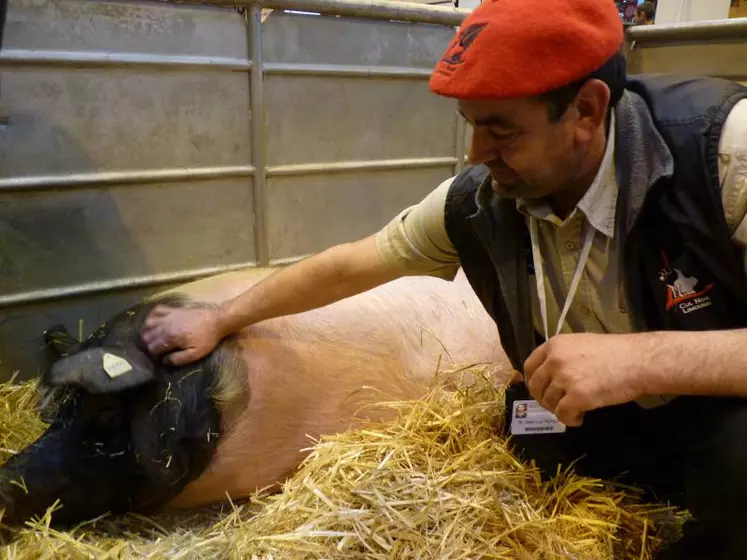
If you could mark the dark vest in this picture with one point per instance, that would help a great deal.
(680, 269)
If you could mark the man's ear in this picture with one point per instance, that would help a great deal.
(59, 342)
(592, 103)
(98, 370)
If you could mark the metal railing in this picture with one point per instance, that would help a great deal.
(258, 170)
(715, 48)
(370, 9)
(716, 30)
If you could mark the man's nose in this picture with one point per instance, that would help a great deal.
(482, 149)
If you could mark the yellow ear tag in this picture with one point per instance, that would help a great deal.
(115, 366)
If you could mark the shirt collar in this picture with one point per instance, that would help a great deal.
(599, 202)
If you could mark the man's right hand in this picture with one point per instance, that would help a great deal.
(194, 333)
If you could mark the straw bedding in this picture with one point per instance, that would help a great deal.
(434, 483)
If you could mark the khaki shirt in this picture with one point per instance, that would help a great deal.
(416, 239)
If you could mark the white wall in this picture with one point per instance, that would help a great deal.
(673, 11)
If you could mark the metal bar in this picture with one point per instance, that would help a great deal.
(461, 130)
(81, 180)
(259, 160)
(370, 9)
(349, 70)
(373, 165)
(78, 180)
(78, 59)
(107, 286)
(727, 29)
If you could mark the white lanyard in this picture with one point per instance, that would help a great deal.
(539, 274)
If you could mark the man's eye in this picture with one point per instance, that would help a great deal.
(501, 134)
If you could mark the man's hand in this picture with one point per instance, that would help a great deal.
(574, 373)
(194, 332)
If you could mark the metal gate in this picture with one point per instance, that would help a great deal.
(148, 144)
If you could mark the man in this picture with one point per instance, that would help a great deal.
(645, 14)
(627, 200)
(629, 10)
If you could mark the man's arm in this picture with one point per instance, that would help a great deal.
(337, 273)
(571, 374)
(414, 242)
(696, 363)
(710, 362)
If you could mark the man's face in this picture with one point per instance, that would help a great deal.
(528, 155)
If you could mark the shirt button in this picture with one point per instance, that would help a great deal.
(570, 246)
(585, 311)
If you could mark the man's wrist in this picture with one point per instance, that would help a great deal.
(668, 360)
(224, 320)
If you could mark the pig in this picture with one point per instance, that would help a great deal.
(128, 433)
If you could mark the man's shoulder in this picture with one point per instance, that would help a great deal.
(463, 188)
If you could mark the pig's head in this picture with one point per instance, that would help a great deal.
(127, 433)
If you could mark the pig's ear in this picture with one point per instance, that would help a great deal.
(59, 342)
(98, 370)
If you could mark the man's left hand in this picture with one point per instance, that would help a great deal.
(573, 373)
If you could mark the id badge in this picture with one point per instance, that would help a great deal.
(528, 417)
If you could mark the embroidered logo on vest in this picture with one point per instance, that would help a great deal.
(682, 290)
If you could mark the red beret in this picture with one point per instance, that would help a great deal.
(515, 48)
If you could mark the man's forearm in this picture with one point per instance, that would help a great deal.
(695, 363)
(339, 272)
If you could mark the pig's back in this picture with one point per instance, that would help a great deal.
(420, 316)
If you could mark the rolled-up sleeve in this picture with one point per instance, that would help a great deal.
(416, 242)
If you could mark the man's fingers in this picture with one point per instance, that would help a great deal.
(150, 335)
(535, 360)
(161, 311)
(538, 383)
(158, 342)
(568, 414)
(180, 358)
(552, 397)
(157, 315)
